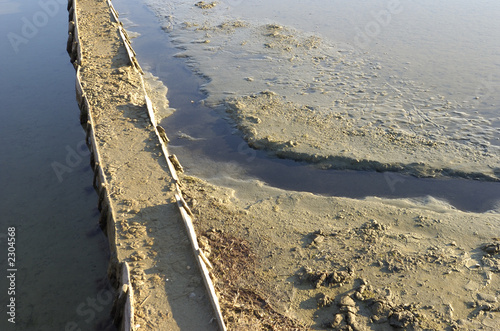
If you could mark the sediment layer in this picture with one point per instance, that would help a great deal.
(331, 140)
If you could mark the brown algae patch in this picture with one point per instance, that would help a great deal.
(334, 140)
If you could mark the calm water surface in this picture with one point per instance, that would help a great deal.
(46, 184)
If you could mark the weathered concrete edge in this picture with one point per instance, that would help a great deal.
(108, 219)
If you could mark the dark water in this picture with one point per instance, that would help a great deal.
(219, 142)
(46, 189)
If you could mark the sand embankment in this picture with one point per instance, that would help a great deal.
(136, 183)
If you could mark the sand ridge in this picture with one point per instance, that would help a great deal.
(148, 231)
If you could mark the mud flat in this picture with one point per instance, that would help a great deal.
(304, 97)
(281, 260)
(304, 261)
(300, 260)
(331, 140)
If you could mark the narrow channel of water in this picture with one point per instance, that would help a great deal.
(208, 146)
(46, 182)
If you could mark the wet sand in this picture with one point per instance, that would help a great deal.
(331, 140)
(398, 263)
(304, 97)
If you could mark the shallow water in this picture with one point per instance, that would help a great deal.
(409, 65)
(47, 194)
(210, 148)
(454, 46)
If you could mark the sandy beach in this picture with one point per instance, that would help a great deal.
(285, 260)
